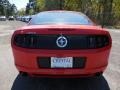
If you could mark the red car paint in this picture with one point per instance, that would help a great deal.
(97, 59)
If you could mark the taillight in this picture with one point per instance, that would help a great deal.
(37, 41)
(98, 41)
(26, 40)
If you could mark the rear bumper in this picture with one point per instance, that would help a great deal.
(26, 61)
(61, 72)
(2, 19)
(11, 19)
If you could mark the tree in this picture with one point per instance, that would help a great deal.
(54, 4)
(6, 8)
(39, 5)
(105, 12)
(21, 12)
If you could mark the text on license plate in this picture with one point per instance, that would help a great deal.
(66, 62)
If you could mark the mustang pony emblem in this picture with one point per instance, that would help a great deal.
(61, 41)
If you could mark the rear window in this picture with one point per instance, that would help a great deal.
(60, 18)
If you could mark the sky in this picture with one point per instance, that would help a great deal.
(19, 3)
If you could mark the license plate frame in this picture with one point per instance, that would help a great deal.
(61, 62)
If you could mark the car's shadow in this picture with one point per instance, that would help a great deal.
(30, 83)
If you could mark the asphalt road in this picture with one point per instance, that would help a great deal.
(9, 74)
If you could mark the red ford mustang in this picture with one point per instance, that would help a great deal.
(61, 43)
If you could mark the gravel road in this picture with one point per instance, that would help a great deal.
(8, 72)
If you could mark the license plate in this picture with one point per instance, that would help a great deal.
(66, 62)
